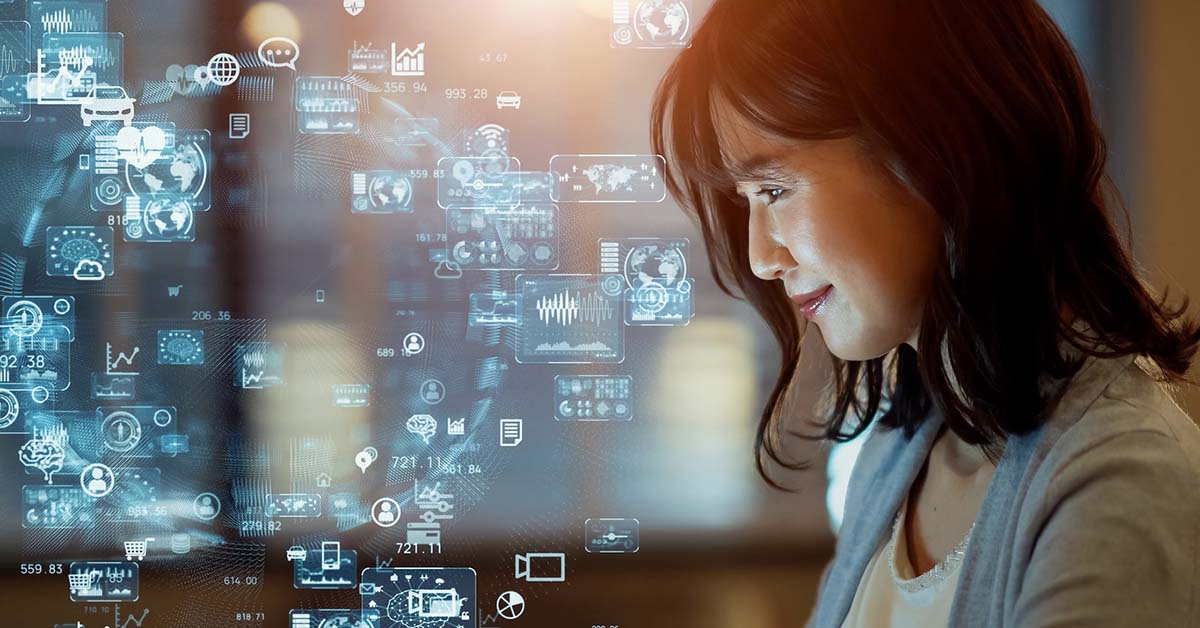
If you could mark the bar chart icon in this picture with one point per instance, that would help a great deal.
(409, 61)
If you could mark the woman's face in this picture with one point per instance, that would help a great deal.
(854, 249)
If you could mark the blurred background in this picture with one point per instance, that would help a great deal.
(718, 548)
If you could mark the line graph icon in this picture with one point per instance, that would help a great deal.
(409, 61)
(113, 365)
(70, 65)
(131, 619)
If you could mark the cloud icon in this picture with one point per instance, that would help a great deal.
(88, 270)
(448, 270)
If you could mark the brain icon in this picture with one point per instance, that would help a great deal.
(45, 455)
(422, 425)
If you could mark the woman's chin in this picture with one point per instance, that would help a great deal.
(851, 346)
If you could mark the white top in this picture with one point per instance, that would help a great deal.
(891, 595)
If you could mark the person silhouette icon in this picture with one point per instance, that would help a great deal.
(98, 484)
(385, 512)
(96, 480)
(206, 506)
(432, 391)
(414, 343)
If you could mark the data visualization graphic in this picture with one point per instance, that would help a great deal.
(657, 290)
(317, 314)
(524, 238)
(85, 253)
(569, 319)
(326, 105)
(609, 178)
(432, 597)
(181, 347)
(593, 398)
(15, 65)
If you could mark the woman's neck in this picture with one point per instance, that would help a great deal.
(959, 456)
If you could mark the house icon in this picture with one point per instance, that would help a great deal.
(323, 480)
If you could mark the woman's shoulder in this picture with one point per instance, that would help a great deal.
(1108, 507)
(1132, 420)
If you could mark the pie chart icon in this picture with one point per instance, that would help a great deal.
(510, 605)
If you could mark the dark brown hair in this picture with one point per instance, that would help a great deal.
(980, 108)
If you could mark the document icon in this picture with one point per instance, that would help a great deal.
(511, 432)
(239, 126)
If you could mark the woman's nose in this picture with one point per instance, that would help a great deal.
(769, 258)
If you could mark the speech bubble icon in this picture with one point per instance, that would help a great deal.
(279, 52)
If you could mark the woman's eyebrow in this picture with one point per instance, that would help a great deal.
(759, 166)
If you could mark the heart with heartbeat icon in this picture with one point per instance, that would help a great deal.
(141, 147)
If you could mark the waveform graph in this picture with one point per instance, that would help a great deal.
(568, 306)
(568, 319)
(259, 365)
(68, 16)
(12, 58)
(15, 65)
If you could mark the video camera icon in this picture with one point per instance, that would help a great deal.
(541, 567)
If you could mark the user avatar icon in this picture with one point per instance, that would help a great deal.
(433, 391)
(97, 480)
(414, 343)
(385, 512)
(206, 506)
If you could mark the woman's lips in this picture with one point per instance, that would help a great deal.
(810, 302)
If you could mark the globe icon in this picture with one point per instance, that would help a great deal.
(182, 173)
(168, 218)
(662, 21)
(224, 69)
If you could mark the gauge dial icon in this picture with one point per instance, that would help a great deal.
(10, 408)
(24, 318)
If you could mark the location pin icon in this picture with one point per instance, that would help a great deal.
(363, 460)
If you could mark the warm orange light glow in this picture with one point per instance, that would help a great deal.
(270, 19)
(601, 9)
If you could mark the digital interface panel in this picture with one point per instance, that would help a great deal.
(305, 305)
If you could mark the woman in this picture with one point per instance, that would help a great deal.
(924, 182)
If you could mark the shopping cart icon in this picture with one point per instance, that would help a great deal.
(173, 291)
(136, 549)
(81, 582)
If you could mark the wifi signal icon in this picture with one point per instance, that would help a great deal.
(489, 140)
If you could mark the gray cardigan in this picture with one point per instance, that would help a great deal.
(1091, 520)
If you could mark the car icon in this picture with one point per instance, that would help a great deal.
(107, 102)
(296, 552)
(508, 99)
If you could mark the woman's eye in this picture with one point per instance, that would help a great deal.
(771, 194)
